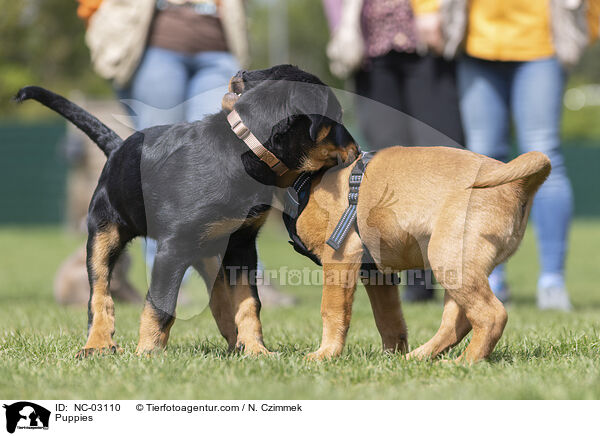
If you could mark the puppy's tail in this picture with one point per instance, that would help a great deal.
(95, 129)
(533, 168)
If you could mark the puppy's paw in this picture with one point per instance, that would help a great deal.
(252, 348)
(95, 351)
(397, 345)
(419, 354)
(444, 361)
(148, 351)
(323, 353)
(464, 360)
(85, 352)
(231, 347)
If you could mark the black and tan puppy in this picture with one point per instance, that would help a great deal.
(186, 186)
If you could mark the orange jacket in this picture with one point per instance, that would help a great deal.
(87, 8)
(513, 30)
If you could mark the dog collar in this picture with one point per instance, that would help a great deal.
(244, 133)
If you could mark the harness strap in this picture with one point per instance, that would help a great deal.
(349, 217)
(244, 133)
(296, 200)
(292, 202)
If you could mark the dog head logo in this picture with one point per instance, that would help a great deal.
(26, 415)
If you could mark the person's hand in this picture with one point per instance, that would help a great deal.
(346, 47)
(429, 31)
(345, 51)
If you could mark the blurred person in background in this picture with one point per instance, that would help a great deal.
(515, 57)
(378, 42)
(172, 58)
(170, 61)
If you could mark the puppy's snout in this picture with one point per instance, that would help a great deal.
(352, 152)
(345, 156)
(349, 154)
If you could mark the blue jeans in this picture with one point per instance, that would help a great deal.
(170, 87)
(490, 92)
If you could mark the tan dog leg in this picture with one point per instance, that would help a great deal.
(153, 337)
(453, 329)
(103, 248)
(220, 298)
(487, 316)
(246, 309)
(239, 267)
(336, 308)
(236, 310)
(387, 310)
(222, 310)
(469, 257)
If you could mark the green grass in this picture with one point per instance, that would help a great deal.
(541, 355)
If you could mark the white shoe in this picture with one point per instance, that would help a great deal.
(553, 298)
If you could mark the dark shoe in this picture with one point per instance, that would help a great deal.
(415, 287)
(413, 294)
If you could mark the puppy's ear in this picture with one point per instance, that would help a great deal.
(318, 124)
(229, 100)
(319, 104)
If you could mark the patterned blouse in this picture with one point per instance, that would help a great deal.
(387, 25)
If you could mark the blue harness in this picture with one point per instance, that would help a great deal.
(297, 198)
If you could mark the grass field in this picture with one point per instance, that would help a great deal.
(541, 355)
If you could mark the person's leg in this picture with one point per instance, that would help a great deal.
(484, 96)
(211, 74)
(430, 91)
(380, 104)
(158, 88)
(537, 108)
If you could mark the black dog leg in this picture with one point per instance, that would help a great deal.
(159, 311)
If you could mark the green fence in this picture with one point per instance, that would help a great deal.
(33, 174)
(583, 165)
